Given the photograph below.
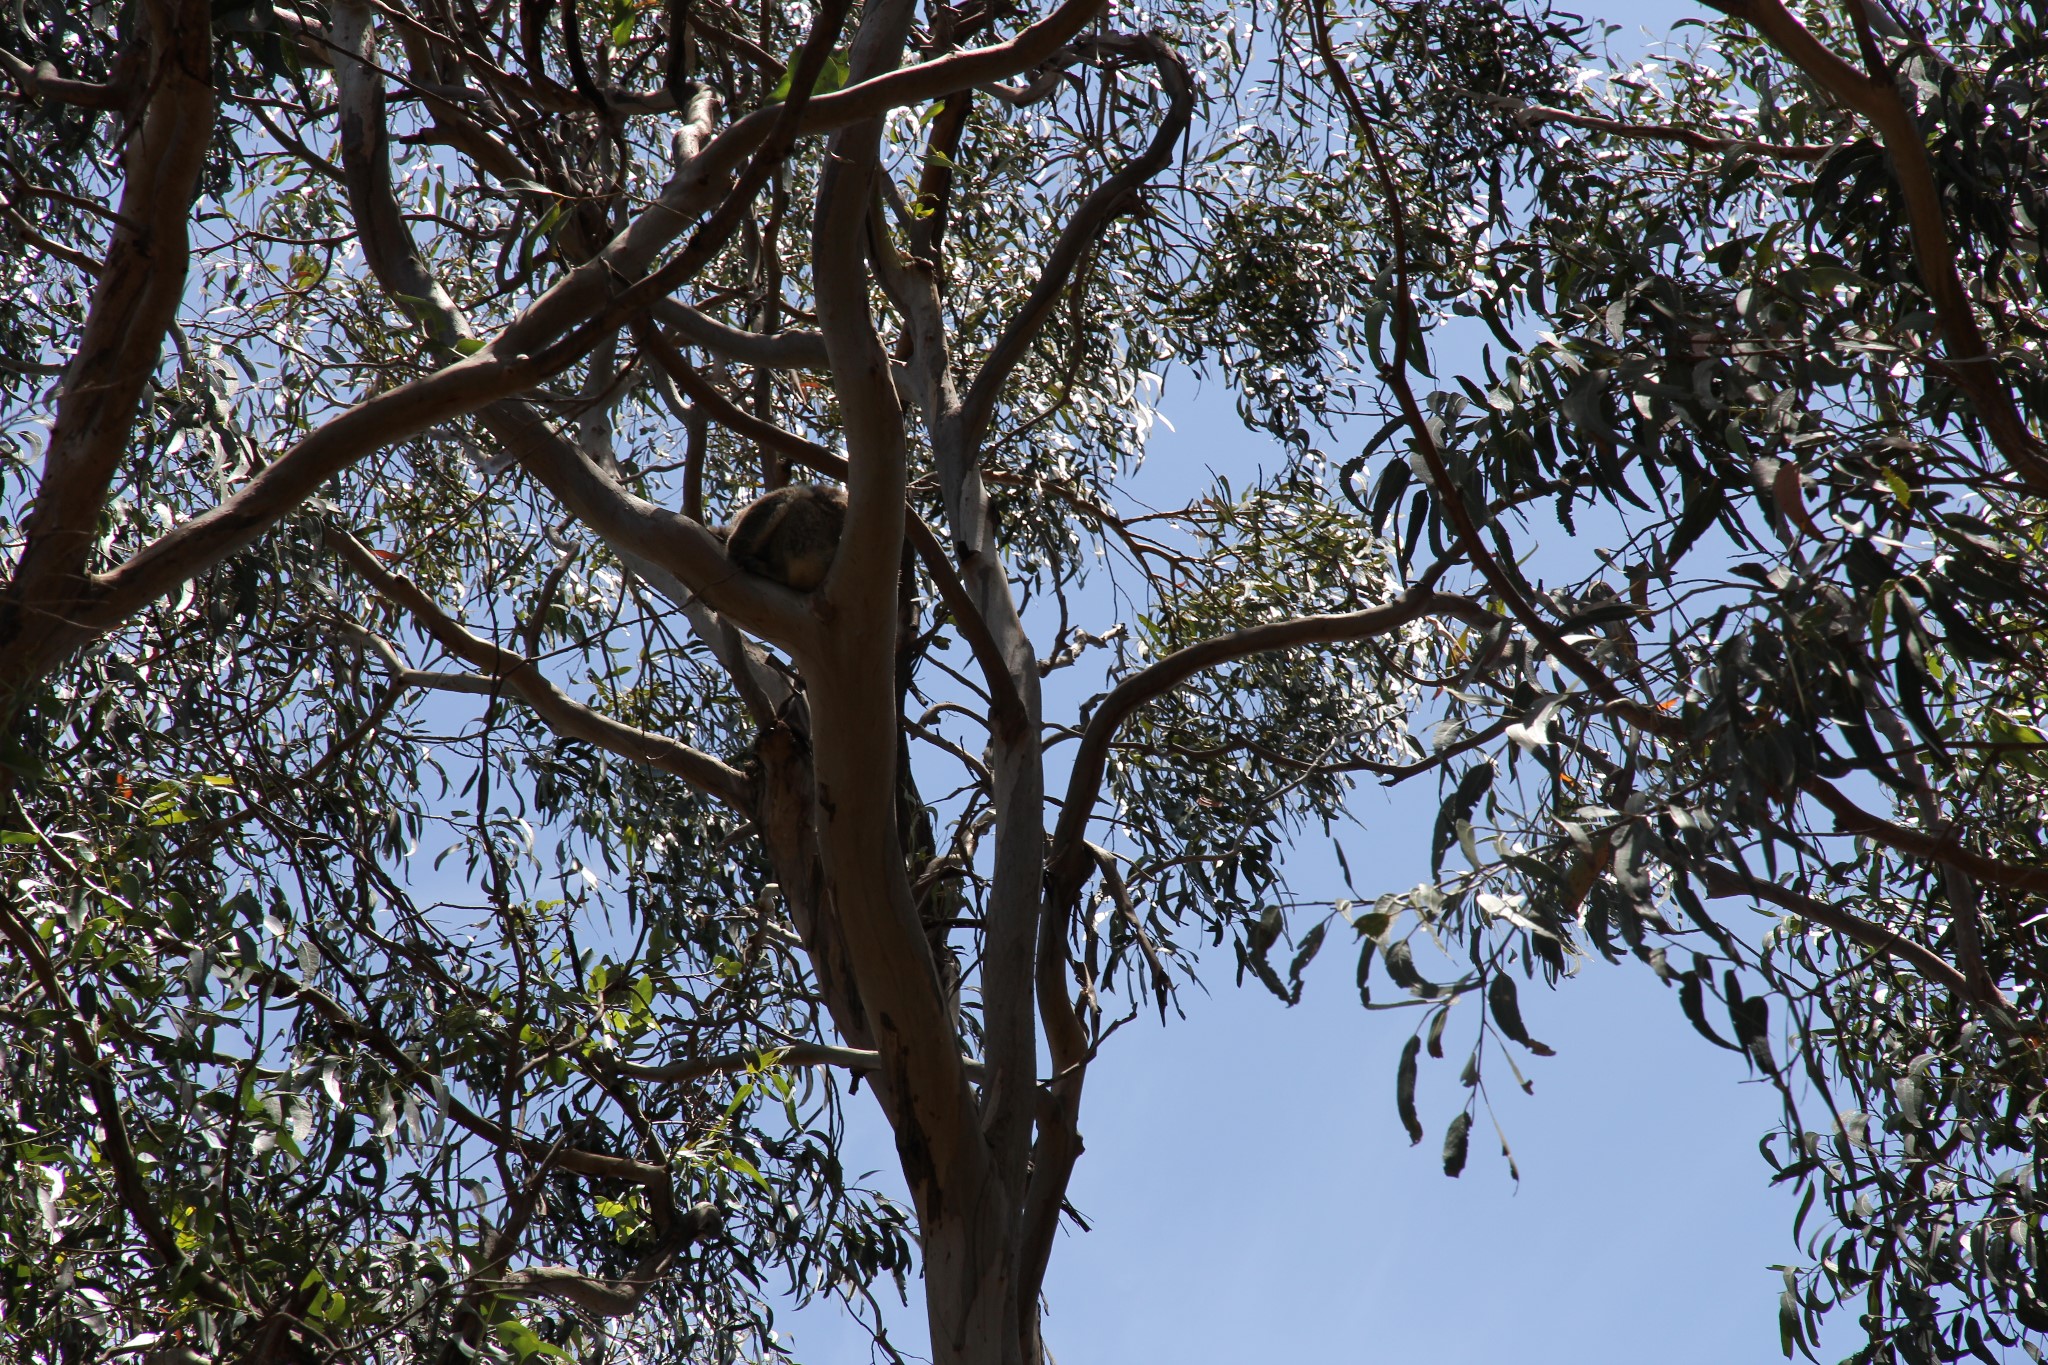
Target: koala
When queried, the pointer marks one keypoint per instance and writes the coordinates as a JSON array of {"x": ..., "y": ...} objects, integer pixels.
[{"x": 790, "y": 535}]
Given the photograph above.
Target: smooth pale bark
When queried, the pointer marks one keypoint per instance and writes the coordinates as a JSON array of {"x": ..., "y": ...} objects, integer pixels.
[{"x": 966, "y": 1216}]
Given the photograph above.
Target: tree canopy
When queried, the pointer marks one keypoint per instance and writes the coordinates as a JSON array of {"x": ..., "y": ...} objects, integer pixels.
[{"x": 455, "y": 885}]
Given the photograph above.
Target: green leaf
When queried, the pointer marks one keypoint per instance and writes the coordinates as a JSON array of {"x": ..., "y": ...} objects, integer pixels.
[
  {"x": 1404, "y": 1088},
  {"x": 1691, "y": 999},
  {"x": 525, "y": 1342},
  {"x": 1457, "y": 1141},
  {"x": 524, "y": 186},
  {"x": 1305, "y": 954},
  {"x": 832, "y": 76},
  {"x": 1505, "y": 1006},
  {"x": 1456, "y": 808},
  {"x": 1400, "y": 960}
]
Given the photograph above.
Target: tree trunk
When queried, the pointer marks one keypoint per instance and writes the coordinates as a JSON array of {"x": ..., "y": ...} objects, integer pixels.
[{"x": 970, "y": 1274}]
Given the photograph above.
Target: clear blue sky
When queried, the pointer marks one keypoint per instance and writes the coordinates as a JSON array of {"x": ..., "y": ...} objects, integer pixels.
[{"x": 1254, "y": 1198}]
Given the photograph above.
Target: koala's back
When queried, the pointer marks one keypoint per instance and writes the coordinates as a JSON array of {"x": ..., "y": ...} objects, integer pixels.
[{"x": 790, "y": 535}]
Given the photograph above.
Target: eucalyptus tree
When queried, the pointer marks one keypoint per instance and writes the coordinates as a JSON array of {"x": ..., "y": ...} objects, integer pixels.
[
  {"x": 1768, "y": 315},
  {"x": 443, "y": 881},
  {"x": 452, "y": 892}
]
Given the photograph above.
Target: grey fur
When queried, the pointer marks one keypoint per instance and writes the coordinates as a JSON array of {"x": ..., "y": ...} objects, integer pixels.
[{"x": 791, "y": 535}]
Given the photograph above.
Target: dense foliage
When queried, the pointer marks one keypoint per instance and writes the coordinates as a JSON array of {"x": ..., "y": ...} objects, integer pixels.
[{"x": 449, "y": 902}]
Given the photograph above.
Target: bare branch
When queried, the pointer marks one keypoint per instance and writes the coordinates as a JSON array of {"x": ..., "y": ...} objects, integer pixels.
[
  {"x": 786, "y": 350},
  {"x": 522, "y": 677},
  {"x": 366, "y": 170},
  {"x": 611, "y": 1298},
  {"x": 1069, "y": 856},
  {"x": 1532, "y": 115},
  {"x": 40, "y": 81},
  {"x": 1162, "y": 981},
  {"x": 1006, "y": 708},
  {"x": 729, "y": 414}
]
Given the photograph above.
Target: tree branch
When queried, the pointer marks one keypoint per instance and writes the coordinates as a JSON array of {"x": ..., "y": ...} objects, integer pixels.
[
  {"x": 1970, "y": 364},
  {"x": 611, "y": 1298},
  {"x": 116, "y": 1146},
  {"x": 133, "y": 304},
  {"x": 1531, "y": 115},
  {"x": 1069, "y": 857},
  {"x": 786, "y": 350},
  {"x": 41, "y": 81},
  {"x": 1851, "y": 818},
  {"x": 729, "y": 414},
  {"x": 1722, "y": 882},
  {"x": 566, "y": 717},
  {"x": 788, "y": 1054},
  {"x": 643, "y": 531},
  {"x": 1407, "y": 332},
  {"x": 41, "y": 634},
  {"x": 394, "y": 258},
  {"x": 1103, "y": 203}
]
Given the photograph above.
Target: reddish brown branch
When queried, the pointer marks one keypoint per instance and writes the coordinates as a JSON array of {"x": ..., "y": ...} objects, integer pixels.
[
  {"x": 1875, "y": 95},
  {"x": 1407, "y": 332},
  {"x": 1530, "y": 115},
  {"x": 41, "y": 81},
  {"x": 1725, "y": 882},
  {"x": 134, "y": 301},
  {"x": 1851, "y": 818},
  {"x": 1104, "y": 202}
]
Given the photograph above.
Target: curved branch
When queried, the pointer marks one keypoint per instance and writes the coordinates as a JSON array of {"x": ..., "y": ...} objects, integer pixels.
[
  {"x": 116, "y": 1148},
  {"x": 1407, "y": 331},
  {"x": 1851, "y": 818},
  {"x": 611, "y": 1298},
  {"x": 788, "y": 350},
  {"x": 282, "y": 486},
  {"x": 727, "y": 413},
  {"x": 1722, "y": 882},
  {"x": 1070, "y": 859},
  {"x": 1971, "y": 364},
  {"x": 530, "y": 349},
  {"x": 790, "y": 1054},
  {"x": 1531, "y": 115},
  {"x": 1103, "y": 203},
  {"x": 565, "y": 716},
  {"x": 388, "y": 246},
  {"x": 1006, "y": 708},
  {"x": 41, "y": 81},
  {"x": 134, "y": 302},
  {"x": 648, "y": 1175}
]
